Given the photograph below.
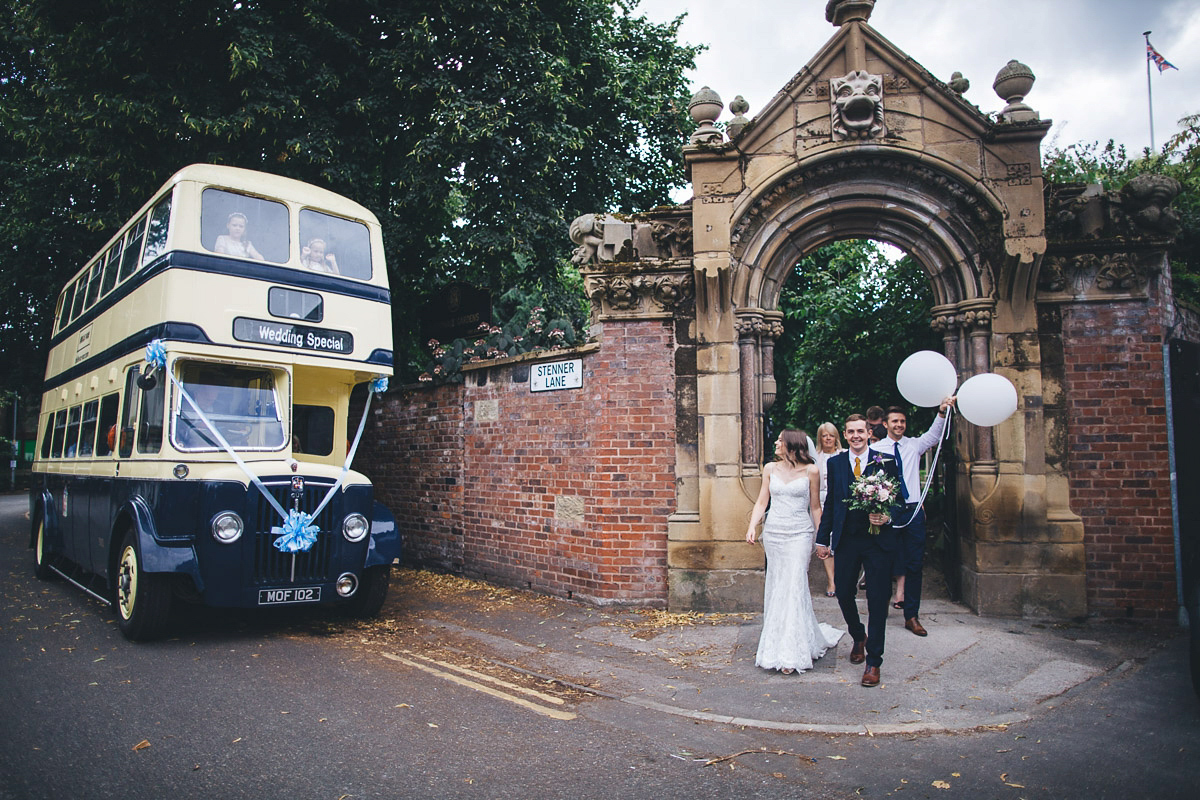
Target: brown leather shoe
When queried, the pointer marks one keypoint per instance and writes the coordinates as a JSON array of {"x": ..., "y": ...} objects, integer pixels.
[
  {"x": 913, "y": 624},
  {"x": 858, "y": 653},
  {"x": 871, "y": 676}
]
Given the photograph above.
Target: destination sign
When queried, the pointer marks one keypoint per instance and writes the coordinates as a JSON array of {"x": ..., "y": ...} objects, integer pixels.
[
  {"x": 299, "y": 337},
  {"x": 556, "y": 375}
]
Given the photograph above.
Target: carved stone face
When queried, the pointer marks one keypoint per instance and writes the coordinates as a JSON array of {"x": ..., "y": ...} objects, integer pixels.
[{"x": 857, "y": 101}]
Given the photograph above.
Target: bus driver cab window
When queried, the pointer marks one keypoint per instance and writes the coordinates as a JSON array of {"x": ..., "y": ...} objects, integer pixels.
[{"x": 238, "y": 402}]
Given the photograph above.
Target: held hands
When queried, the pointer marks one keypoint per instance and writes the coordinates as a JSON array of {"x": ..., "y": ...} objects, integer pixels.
[{"x": 822, "y": 552}]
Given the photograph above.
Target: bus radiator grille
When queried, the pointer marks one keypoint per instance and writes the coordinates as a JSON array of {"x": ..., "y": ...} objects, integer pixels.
[{"x": 274, "y": 567}]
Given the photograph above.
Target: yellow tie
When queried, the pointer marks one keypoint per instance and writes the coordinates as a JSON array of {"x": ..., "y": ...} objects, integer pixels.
[{"x": 857, "y": 467}]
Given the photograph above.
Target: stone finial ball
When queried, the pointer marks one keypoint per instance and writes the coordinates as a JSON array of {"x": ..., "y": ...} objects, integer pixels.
[
  {"x": 705, "y": 106},
  {"x": 1013, "y": 81}
]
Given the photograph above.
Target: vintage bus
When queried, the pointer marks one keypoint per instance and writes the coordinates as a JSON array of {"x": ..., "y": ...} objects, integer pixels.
[{"x": 198, "y": 393}]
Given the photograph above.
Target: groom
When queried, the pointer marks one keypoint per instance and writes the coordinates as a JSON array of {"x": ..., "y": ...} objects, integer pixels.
[{"x": 845, "y": 532}]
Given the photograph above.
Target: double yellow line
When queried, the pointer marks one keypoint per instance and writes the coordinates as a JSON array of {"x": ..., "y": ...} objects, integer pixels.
[{"x": 430, "y": 665}]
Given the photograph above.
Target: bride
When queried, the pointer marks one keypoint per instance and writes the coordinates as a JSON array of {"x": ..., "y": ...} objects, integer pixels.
[{"x": 791, "y": 636}]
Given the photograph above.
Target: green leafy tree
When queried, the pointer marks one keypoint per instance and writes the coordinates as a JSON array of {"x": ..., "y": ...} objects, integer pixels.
[
  {"x": 1111, "y": 167},
  {"x": 851, "y": 316},
  {"x": 474, "y": 129}
]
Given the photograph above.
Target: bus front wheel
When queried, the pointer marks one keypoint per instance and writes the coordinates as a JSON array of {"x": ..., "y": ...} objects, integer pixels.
[
  {"x": 41, "y": 554},
  {"x": 372, "y": 591},
  {"x": 143, "y": 598}
]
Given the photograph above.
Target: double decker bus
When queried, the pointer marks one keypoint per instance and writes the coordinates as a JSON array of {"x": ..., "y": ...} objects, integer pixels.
[{"x": 197, "y": 431}]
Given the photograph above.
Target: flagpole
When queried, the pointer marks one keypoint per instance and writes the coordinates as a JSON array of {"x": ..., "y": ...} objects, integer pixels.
[{"x": 1149, "y": 91}]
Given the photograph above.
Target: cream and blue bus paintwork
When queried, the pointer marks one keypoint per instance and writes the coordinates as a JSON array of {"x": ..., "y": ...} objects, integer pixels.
[{"x": 270, "y": 299}]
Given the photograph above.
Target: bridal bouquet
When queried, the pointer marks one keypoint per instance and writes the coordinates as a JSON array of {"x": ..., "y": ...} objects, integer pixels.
[{"x": 874, "y": 493}]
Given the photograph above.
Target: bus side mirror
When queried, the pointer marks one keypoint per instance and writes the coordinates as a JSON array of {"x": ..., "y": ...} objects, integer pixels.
[{"x": 147, "y": 381}]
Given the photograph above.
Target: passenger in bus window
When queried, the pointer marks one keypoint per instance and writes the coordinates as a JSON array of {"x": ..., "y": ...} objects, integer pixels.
[
  {"x": 235, "y": 243},
  {"x": 314, "y": 257}
]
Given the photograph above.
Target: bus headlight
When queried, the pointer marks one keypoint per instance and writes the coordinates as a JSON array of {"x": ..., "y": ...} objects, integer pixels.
[
  {"x": 346, "y": 584},
  {"x": 227, "y": 527},
  {"x": 354, "y": 527}
]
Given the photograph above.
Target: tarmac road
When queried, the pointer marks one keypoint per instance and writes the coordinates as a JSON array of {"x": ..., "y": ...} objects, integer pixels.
[{"x": 461, "y": 689}]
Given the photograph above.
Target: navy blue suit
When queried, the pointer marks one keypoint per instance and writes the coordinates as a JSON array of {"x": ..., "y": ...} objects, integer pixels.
[{"x": 845, "y": 531}]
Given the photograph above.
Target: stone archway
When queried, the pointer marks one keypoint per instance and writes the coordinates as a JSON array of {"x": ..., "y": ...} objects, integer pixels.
[
  {"x": 864, "y": 143},
  {"x": 930, "y": 213}
]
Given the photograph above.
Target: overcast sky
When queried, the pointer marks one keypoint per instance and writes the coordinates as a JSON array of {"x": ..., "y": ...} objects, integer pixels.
[{"x": 1088, "y": 55}]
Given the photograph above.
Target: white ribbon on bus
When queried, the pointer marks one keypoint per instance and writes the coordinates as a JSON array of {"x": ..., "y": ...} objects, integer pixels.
[{"x": 297, "y": 534}]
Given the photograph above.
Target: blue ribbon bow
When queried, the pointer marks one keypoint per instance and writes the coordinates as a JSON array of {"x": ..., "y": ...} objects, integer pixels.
[
  {"x": 296, "y": 535},
  {"x": 156, "y": 354}
]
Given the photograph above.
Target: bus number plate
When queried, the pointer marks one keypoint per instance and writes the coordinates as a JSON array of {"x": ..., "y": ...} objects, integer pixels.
[{"x": 274, "y": 597}]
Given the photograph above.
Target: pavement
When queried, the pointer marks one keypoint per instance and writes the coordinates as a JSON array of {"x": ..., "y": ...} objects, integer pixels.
[{"x": 969, "y": 673}]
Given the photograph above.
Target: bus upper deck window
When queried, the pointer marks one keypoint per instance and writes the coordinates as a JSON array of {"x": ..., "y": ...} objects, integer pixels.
[
  {"x": 110, "y": 269},
  {"x": 334, "y": 245},
  {"x": 96, "y": 277},
  {"x": 239, "y": 225},
  {"x": 133, "y": 248},
  {"x": 80, "y": 293},
  {"x": 156, "y": 236},
  {"x": 64, "y": 310}
]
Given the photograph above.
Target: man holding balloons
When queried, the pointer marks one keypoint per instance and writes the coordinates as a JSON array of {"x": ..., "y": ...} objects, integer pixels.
[
  {"x": 910, "y": 522},
  {"x": 928, "y": 379}
]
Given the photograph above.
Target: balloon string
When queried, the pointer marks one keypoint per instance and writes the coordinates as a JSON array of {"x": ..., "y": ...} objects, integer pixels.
[{"x": 932, "y": 468}]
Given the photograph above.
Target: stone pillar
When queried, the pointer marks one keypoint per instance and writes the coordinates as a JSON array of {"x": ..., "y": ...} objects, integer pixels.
[{"x": 749, "y": 326}]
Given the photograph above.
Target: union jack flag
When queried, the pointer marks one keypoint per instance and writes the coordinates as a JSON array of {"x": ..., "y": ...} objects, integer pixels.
[{"x": 1159, "y": 60}]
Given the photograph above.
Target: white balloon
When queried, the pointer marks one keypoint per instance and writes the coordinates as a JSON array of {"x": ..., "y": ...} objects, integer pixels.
[
  {"x": 987, "y": 399},
  {"x": 926, "y": 378}
]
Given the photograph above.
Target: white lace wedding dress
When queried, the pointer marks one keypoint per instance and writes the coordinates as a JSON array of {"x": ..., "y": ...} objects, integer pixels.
[{"x": 792, "y": 638}]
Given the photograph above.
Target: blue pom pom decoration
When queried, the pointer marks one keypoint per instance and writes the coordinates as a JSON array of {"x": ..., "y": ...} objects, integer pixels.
[
  {"x": 379, "y": 385},
  {"x": 156, "y": 354},
  {"x": 297, "y": 534}
]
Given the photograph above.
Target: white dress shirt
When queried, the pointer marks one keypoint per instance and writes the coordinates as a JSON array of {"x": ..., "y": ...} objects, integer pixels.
[{"x": 911, "y": 450}]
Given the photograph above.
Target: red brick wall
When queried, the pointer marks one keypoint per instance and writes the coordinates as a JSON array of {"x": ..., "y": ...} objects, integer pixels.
[
  {"x": 1117, "y": 444},
  {"x": 566, "y": 492},
  {"x": 412, "y": 450}
]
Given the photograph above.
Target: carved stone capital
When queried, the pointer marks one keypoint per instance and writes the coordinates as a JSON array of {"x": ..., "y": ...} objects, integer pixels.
[
  {"x": 945, "y": 322},
  {"x": 1092, "y": 275},
  {"x": 749, "y": 325},
  {"x": 629, "y": 294},
  {"x": 977, "y": 318}
]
